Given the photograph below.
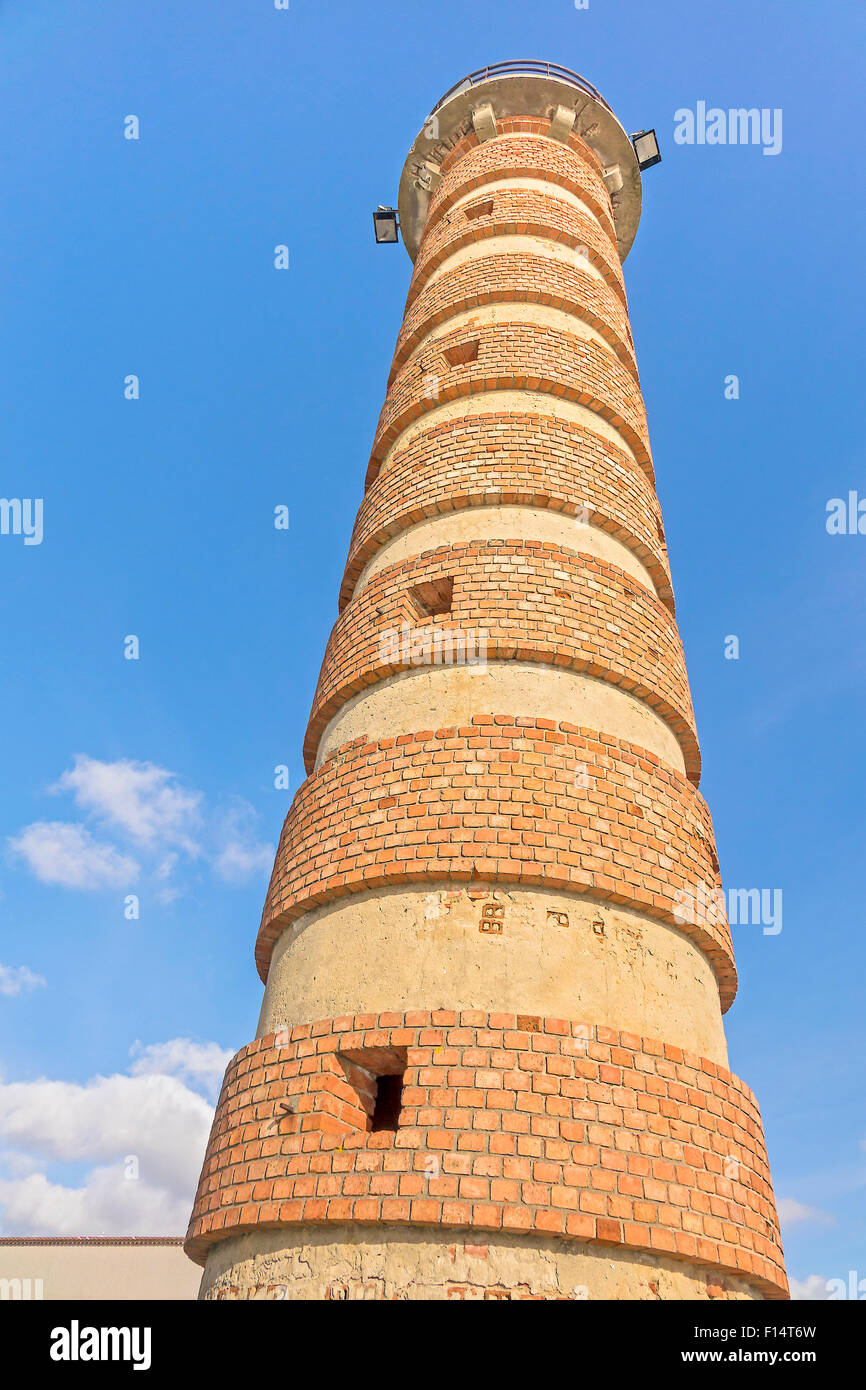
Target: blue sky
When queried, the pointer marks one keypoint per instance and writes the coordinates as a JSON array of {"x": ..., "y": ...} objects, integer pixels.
[{"x": 261, "y": 387}]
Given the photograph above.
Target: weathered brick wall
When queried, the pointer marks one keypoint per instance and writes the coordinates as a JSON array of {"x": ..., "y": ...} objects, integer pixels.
[
  {"x": 512, "y": 278},
  {"x": 561, "y": 166},
  {"x": 530, "y": 601},
  {"x": 512, "y": 358},
  {"x": 517, "y": 211},
  {"x": 509, "y": 1123},
  {"x": 506, "y": 459},
  {"x": 506, "y": 800}
]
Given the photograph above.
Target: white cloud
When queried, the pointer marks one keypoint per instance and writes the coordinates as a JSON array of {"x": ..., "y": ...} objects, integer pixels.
[
  {"x": 20, "y": 1165},
  {"x": 793, "y": 1213},
  {"x": 66, "y": 854},
  {"x": 166, "y": 865},
  {"x": 148, "y": 814},
  {"x": 241, "y": 856},
  {"x": 813, "y": 1288},
  {"x": 203, "y": 1063},
  {"x": 237, "y": 861},
  {"x": 16, "y": 979},
  {"x": 107, "y": 1204},
  {"x": 139, "y": 798},
  {"x": 140, "y": 1137},
  {"x": 111, "y": 1116}
]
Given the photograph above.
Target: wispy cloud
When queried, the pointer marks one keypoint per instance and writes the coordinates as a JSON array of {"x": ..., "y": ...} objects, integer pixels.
[
  {"x": 146, "y": 821},
  {"x": 17, "y": 979},
  {"x": 66, "y": 854},
  {"x": 240, "y": 855},
  {"x": 202, "y": 1064},
  {"x": 793, "y": 1213},
  {"x": 813, "y": 1288},
  {"x": 141, "y": 799}
]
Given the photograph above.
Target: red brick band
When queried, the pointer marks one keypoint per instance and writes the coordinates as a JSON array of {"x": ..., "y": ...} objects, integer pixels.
[
  {"x": 522, "y": 156},
  {"x": 517, "y": 212},
  {"x": 510, "y": 1124},
  {"x": 525, "y": 125},
  {"x": 515, "y": 125},
  {"x": 527, "y": 601},
  {"x": 505, "y": 460},
  {"x": 516, "y": 278},
  {"x": 501, "y": 800},
  {"x": 515, "y": 357}
]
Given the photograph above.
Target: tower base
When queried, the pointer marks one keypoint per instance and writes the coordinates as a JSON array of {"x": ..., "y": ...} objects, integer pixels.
[
  {"x": 531, "y": 1157},
  {"x": 395, "y": 1263}
]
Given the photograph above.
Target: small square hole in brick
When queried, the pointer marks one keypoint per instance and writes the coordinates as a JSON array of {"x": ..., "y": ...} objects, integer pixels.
[
  {"x": 461, "y": 353},
  {"x": 434, "y": 597},
  {"x": 479, "y": 209},
  {"x": 376, "y": 1074}
]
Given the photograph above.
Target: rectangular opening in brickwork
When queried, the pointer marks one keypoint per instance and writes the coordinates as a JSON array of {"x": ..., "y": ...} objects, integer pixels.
[
  {"x": 461, "y": 353},
  {"x": 434, "y": 597},
  {"x": 376, "y": 1074},
  {"x": 480, "y": 209},
  {"x": 389, "y": 1098}
]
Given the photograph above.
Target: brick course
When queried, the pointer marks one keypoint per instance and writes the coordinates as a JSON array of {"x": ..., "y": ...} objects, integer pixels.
[
  {"x": 504, "y": 459},
  {"x": 499, "y": 800},
  {"x": 514, "y": 278},
  {"x": 514, "y": 357},
  {"x": 517, "y": 211},
  {"x": 569, "y": 1129},
  {"x": 531, "y": 601},
  {"x": 523, "y": 156}
]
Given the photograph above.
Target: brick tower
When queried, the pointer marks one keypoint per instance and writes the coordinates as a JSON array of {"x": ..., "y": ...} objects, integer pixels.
[{"x": 490, "y": 1060}]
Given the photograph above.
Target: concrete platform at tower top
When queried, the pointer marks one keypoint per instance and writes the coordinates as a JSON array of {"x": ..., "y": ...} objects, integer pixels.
[{"x": 517, "y": 92}]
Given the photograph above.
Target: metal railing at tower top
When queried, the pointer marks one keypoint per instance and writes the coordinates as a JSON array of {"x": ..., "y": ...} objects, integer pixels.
[{"x": 527, "y": 67}]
